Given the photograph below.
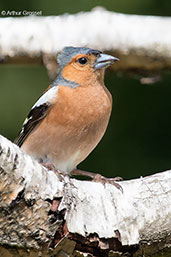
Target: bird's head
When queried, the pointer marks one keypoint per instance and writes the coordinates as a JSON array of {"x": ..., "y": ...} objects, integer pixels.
[{"x": 83, "y": 65}]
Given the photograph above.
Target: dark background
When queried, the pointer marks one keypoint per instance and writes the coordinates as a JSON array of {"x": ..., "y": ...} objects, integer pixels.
[{"x": 137, "y": 141}]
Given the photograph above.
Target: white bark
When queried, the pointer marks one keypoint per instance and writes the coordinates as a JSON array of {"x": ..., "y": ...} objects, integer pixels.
[
  {"x": 141, "y": 42},
  {"x": 141, "y": 213}
]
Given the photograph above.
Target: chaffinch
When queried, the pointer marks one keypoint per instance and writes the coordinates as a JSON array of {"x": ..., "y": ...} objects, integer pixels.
[{"x": 71, "y": 116}]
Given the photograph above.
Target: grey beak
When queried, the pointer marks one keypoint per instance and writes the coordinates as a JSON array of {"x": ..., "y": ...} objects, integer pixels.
[{"x": 104, "y": 60}]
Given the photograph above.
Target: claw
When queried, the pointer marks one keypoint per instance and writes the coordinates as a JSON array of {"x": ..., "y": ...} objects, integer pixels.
[
  {"x": 98, "y": 178},
  {"x": 104, "y": 180}
]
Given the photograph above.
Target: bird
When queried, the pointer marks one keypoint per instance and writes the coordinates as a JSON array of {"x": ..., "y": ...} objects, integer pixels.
[{"x": 71, "y": 116}]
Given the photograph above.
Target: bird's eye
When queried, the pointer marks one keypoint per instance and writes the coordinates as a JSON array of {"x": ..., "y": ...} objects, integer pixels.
[{"x": 82, "y": 60}]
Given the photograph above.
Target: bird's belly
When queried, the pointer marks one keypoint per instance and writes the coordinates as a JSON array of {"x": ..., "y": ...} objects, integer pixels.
[{"x": 65, "y": 147}]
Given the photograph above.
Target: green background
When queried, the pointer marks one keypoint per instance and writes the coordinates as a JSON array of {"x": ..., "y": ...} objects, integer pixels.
[{"x": 137, "y": 141}]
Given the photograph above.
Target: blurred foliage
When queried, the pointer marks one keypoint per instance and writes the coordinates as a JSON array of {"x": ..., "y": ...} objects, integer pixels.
[{"x": 138, "y": 138}]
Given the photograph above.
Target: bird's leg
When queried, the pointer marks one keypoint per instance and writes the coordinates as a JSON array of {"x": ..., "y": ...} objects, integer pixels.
[
  {"x": 98, "y": 178},
  {"x": 58, "y": 172}
]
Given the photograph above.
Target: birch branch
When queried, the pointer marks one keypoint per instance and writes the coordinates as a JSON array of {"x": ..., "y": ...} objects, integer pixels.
[
  {"x": 141, "y": 42},
  {"x": 41, "y": 212}
]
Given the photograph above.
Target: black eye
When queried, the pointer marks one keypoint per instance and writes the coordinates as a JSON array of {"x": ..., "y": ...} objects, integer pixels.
[{"x": 82, "y": 60}]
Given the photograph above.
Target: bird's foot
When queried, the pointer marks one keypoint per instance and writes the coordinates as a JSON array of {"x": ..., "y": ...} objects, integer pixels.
[
  {"x": 98, "y": 178},
  {"x": 60, "y": 174},
  {"x": 104, "y": 180}
]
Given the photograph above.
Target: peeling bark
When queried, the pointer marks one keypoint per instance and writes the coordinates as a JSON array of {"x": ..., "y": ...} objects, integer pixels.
[
  {"x": 42, "y": 215},
  {"x": 141, "y": 42}
]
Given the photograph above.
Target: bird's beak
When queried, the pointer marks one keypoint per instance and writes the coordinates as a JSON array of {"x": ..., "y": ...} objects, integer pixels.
[{"x": 104, "y": 60}]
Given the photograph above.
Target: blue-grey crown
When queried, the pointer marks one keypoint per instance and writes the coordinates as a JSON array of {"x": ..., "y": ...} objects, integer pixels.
[{"x": 69, "y": 52}]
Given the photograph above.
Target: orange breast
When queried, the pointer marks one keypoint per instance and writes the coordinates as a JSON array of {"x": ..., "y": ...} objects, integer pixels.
[{"x": 72, "y": 127}]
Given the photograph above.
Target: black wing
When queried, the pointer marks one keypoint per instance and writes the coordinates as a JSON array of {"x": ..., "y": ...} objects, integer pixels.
[{"x": 35, "y": 115}]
